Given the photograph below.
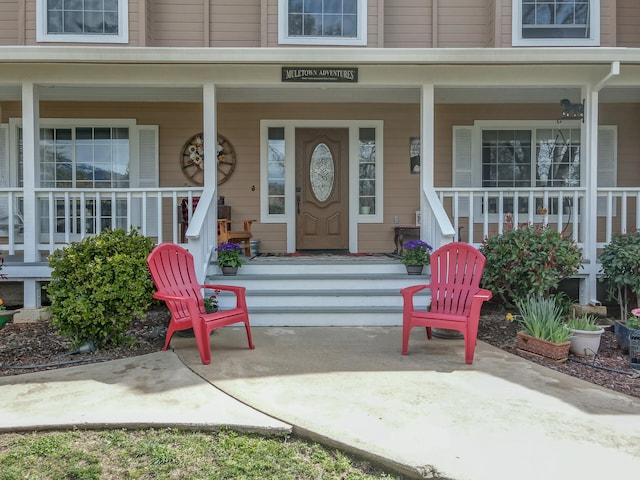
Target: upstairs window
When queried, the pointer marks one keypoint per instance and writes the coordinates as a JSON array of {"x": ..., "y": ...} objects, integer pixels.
[
  {"x": 86, "y": 21},
  {"x": 322, "y": 22},
  {"x": 556, "y": 22}
]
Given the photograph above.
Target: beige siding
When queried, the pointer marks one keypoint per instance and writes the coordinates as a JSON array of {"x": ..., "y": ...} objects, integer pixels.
[
  {"x": 407, "y": 23},
  {"x": 177, "y": 23},
  {"x": 235, "y": 23},
  {"x": 628, "y": 31},
  {"x": 9, "y": 26},
  {"x": 463, "y": 24},
  {"x": 608, "y": 23}
]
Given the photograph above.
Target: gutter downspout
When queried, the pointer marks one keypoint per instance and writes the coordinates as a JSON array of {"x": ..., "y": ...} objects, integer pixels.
[{"x": 588, "y": 291}]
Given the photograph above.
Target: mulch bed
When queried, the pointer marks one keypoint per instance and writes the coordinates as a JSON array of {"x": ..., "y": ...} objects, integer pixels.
[{"x": 35, "y": 347}]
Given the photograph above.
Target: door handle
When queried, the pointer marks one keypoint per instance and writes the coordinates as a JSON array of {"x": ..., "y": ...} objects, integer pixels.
[{"x": 298, "y": 204}]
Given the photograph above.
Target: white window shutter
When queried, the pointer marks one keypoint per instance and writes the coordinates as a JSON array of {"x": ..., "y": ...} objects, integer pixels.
[
  {"x": 4, "y": 178},
  {"x": 607, "y": 162},
  {"x": 463, "y": 163},
  {"x": 144, "y": 174}
]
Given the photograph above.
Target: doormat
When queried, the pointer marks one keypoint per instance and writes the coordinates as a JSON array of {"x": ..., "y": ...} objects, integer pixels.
[{"x": 325, "y": 253}]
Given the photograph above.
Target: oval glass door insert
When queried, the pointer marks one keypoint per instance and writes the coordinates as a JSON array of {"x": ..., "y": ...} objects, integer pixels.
[{"x": 321, "y": 172}]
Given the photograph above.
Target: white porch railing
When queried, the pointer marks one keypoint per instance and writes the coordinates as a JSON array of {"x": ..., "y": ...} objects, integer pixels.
[
  {"x": 65, "y": 216},
  {"x": 477, "y": 213}
]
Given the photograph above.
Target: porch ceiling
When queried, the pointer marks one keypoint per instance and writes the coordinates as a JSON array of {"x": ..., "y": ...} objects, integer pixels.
[{"x": 311, "y": 94}]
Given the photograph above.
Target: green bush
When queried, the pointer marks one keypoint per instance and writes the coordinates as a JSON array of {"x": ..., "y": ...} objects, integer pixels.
[
  {"x": 98, "y": 285},
  {"x": 620, "y": 261},
  {"x": 528, "y": 261}
]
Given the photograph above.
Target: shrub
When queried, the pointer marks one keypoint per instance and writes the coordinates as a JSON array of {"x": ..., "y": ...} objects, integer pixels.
[
  {"x": 98, "y": 285},
  {"x": 528, "y": 261},
  {"x": 620, "y": 260}
]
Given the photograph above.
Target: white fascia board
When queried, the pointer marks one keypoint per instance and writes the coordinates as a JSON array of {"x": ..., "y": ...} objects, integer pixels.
[{"x": 321, "y": 55}]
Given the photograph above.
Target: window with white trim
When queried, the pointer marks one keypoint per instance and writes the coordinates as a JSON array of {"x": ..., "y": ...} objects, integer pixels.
[
  {"x": 92, "y": 21},
  {"x": 322, "y": 22},
  {"x": 117, "y": 154},
  {"x": 507, "y": 156},
  {"x": 556, "y": 22}
]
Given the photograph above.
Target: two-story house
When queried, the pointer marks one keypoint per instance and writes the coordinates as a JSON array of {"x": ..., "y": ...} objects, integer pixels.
[{"x": 326, "y": 121}]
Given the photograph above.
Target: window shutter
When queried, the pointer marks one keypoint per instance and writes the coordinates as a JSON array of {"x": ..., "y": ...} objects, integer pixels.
[
  {"x": 4, "y": 178},
  {"x": 607, "y": 162},
  {"x": 144, "y": 170},
  {"x": 462, "y": 163}
]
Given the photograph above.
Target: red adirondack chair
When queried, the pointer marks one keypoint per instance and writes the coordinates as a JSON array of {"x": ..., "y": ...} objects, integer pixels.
[
  {"x": 456, "y": 298},
  {"x": 173, "y": 273}
]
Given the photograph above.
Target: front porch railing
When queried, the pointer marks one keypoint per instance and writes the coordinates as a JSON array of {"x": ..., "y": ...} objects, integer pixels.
[{"x": 65, "y": 216}]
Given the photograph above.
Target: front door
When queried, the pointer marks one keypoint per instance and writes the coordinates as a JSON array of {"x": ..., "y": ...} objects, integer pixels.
[{"x": 322, "y": 188}]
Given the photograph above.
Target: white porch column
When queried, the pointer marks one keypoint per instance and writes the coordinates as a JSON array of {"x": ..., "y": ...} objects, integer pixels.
[
  {"x": 589, "y": 216},
  {"x": 31, "y": 176},
  {"x": 202, "y": 232},
  {"x": 427, "y": 162},
  {"x": 588, "y": 287},
  {"x": 210, "y": 131}
]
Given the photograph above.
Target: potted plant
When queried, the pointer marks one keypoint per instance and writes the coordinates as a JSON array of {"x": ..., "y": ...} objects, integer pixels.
[
  {"x": 415, "y": 255},
  {"x": 543, "y": 331},
  {"x": 229, "y": 257},
  {"x": 624, "y": 330},
  {"x": 585, "y": 335}
]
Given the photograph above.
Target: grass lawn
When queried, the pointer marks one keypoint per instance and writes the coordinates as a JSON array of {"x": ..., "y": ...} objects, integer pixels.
[{"x": 172, "y": 454}]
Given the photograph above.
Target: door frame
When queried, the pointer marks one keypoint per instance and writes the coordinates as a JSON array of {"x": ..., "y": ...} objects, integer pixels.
[{"x": 289, "y": 217}]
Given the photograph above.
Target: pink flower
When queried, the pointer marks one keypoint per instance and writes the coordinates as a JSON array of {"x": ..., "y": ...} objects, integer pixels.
[{"x": 636, "y": 312}]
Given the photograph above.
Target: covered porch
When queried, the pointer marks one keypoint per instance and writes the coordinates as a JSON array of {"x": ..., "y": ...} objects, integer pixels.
[{"x": 448, "y": 99}]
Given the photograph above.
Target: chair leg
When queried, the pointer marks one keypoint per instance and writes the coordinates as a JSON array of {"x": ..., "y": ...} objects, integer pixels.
[
  {"x": 406, "y": 333},
  {"x": 202, "y": 339},
  {"x": 248, "y": 329}
]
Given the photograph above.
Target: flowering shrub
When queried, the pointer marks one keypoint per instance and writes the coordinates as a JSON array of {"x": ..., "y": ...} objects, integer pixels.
[
  {"x": 416, "y": 252},
  {"x": 229, "y": 254},
  {"x": 2, "y": 306},
  {"x": 528, "y": 261}
]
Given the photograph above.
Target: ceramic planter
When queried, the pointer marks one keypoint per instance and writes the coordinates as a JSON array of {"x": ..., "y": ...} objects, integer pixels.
[
  {"x": 414, "y": 269},
  {"x": 585, "y": 343},
  {"x": 5, "y": 317},
  {"x": 229, "y": 270},
  {"x": 558, "y": 352}
]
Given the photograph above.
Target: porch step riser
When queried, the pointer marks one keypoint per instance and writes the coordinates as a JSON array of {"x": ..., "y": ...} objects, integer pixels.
[
  {"x": 320, "y": 296},
  {"x": 345, "y": 319}
]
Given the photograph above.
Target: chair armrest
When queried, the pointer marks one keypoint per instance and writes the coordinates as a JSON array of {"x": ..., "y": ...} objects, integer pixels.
[
  {"x": 484, "y": 295},
  {"x": 412, "y": 290},
  {"x": 226, "y": 288}
]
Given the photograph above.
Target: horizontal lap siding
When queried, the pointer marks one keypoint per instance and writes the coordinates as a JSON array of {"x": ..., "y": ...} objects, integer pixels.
[
  {"x": 407, "y": 24},
  {"x": 9, "y": 28},
  {"x": 628, "y": 31},
  {"x": 463, "y": 23},
  {"x": 177, "y": 24},
  {"x": 235, "y": 23}
]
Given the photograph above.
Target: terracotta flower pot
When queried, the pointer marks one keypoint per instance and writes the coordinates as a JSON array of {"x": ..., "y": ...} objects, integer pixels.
[{"x": 558, "y": 352}]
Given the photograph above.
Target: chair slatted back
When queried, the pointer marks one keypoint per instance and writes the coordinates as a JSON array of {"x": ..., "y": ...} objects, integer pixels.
[
  {"x": 173, "y": 272},
  {"x": 456, "y": 271}
]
